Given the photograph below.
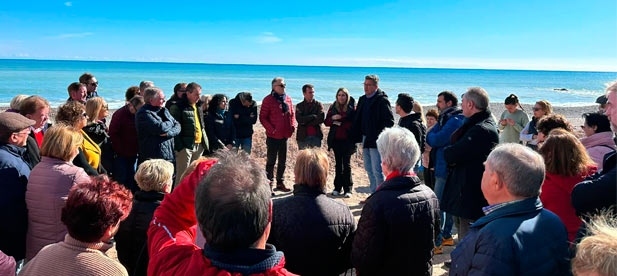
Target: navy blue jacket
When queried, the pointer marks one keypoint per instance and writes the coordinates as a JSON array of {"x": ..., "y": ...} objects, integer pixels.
[
  {"x": 471, "y": 145},
  {"x": 247, "y": 117},
  {"x": 439, "y": 137},
  {"x": 518, "y": 239},
  {"x": 151, "y": 122},
  {"x": 220, "y": 130},
  {"x": 14, "y": 172}
]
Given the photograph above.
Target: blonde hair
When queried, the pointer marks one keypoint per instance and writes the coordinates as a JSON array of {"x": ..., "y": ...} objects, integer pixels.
[
  {"x": 16, "y": 102},
  {"x": 338, "y": 106},
  {"x": 154, "y": 175},
  {"x": 312, "y": 167},
  {"x": 93, "y": 108},
  {"x": 417, "y": 108},
  {"x": 597, "y": 252},
  {"x": 61, "y": 141}
]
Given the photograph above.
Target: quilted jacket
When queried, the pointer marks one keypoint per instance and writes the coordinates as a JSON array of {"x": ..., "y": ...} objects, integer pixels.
[{"x": 151, "y": 123}]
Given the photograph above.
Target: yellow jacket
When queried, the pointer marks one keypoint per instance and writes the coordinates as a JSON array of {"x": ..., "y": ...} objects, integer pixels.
[{"x": 91, "y": 150}]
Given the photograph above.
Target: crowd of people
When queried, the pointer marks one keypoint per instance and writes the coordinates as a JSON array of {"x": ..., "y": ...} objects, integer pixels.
[{"x": 171, "y": 185}]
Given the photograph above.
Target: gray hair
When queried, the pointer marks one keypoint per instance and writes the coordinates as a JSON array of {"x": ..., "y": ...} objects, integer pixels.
[
  {"x": 145, "y": 84},
  {"x": 150, "y": 93},
  {"x": 277, "y": 79},
  {"x": 398, "y": 149},
  {"x": 519, "y": 167},
  {"x": 373, "y": 78},
  {"x": 478, "y": 96}
]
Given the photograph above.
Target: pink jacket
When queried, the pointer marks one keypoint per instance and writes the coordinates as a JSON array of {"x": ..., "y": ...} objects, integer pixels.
[
  {"x": 598, "y": 145},
  {"x": 278, "y": 125},
  {"x": 47, "y": 190}
]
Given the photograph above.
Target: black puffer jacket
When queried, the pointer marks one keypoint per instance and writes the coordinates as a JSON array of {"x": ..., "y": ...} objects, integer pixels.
[
  {"x": 470, "y": 146},
  {"x": 413, "y": 122},
  {"x": 397, "y": 229},
  {"x": 151, "y": 123},
  {"x": 378, "y": 118},
  {"x": 247, "y": 117},
  {"x": 184, "y": 113},
  {"x": 131, "y": 237},
  {"x": 314, "y": 231}
]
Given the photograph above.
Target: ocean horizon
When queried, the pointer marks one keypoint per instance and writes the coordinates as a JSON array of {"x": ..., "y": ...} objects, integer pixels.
[{"x": 50, "y": 78}]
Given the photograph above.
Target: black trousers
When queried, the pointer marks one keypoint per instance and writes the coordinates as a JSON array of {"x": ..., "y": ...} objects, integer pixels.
[
  {"x": 342, "y": 156},
  {"x": 276, "y": 148}
]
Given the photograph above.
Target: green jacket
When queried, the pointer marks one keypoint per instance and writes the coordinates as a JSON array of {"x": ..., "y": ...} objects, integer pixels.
[{"x": 185, "y": 115}]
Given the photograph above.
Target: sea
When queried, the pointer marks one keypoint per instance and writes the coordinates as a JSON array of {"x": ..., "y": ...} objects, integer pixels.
[{"x": 50, "y": 78}]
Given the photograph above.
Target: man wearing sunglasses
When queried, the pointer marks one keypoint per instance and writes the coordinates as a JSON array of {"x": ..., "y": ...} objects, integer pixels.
[
  {"x": 14, "y": 172},
  {"x": 91, "y": 85}
]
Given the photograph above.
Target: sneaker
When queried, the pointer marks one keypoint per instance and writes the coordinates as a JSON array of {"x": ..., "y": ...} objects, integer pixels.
[
  {"x": 447, "y": 242},
  {"x": 336, "y": 193},
  {"x": 437, "y": 250},
  {"x": 282, "y": 188},
  {"x": 347, "y": 194}
]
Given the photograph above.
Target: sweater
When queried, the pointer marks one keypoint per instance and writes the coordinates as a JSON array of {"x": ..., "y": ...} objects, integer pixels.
[
  {"x": 511, "y": 133},
  {"x": 598, "y": 145},
  {"x": 73, "y": 257},
  {"x": 123, "y": 133}
]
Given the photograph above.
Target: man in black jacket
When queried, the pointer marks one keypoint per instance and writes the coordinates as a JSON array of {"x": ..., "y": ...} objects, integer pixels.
[
  {"x": 471, "y": 145},
  {"x": 244, "y": 112},
  {"x": 373, "y": 115},
  {"x": 412, "y": 121}
]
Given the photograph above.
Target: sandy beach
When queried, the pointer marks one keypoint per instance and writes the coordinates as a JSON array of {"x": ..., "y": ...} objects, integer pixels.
[{"x": 361, "y": 189}]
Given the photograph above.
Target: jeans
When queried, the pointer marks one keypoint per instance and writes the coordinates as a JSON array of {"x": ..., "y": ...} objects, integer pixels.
[
  {"x": 276, "y": 148},
  {"x": 309, "y": 141},
  {"x": 124, "y": 172},
  {"x": 372, "y": 165},
  {"x": 446, "y": 219},
  {"x": 184, "y": 158},
  {"x": 245, "y": 144}
]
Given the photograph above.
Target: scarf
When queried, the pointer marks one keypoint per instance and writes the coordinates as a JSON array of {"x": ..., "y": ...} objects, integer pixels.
[{"x": 281, "y": 100}]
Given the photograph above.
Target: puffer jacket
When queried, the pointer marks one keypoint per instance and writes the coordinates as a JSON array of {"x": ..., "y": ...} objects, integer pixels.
[
  {"x": 413, "y": 122},
  {"x": 97, "y": 132},
  {"x": 151, "y": 123},
  {"x": 518, "y": 239},
  {"x": 381, "y": 117},
  {"x": 598, "y": 145},
  {"x": 313, "y": 229},
  {"x": 14, "y": 173},
  {"x": 471, "y": 145},
  {"x": 247, "y": 117},
  {"x": 48, "y": 188},
  {"x": 184, "y": 113},
  {"x": 278, "y": 125},
  {"x": 439, "y": 137},
  {"x": 397, "y": 228},
  {"x": 131, "y": 237},
  {"x": 309, "y": 115},
  {"x": 221, "y": 131}
]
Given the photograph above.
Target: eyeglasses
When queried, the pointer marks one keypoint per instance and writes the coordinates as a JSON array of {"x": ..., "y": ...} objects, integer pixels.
[
  {"x": 96, "y": 83},
  {"x": 106, "y": 107},
  {"x": 537, "y": 109},
  {"x": 22, "y": 133},
  {"x": 282, "y": 85}
]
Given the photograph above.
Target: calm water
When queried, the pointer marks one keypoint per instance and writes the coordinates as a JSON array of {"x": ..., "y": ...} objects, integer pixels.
[{"x": 49, "y": 78}]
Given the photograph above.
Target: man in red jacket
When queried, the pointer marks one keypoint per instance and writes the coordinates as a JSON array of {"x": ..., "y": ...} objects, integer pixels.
[
  {"x": 233, "y": 208},
  {"x": 279, "y": 119}
]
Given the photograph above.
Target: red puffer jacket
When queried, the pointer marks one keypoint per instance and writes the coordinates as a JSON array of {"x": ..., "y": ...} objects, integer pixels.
[
  {"x": 172, "y": 232},
  {"x": 278, "y": 125}
]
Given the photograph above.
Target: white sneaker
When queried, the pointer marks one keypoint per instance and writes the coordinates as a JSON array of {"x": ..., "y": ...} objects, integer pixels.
[
  {"x": 348, "y": 194},
  {"x": 335, "y": 193}
]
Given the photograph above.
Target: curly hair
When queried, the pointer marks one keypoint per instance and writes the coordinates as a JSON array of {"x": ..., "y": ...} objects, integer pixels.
[
  {"x": 70, "y": 112},
  {"x": 214, "y": 103}
]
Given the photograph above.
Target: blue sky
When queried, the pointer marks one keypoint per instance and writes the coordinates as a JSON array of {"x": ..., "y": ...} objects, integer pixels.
[{"x": 551, "y": 35}]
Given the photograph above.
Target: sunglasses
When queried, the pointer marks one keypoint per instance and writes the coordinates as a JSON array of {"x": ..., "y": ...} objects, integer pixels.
[
  {"x": 84, "y": 115},
  {"x": 537, "y": 109},
  {"x": 282, "y": 85},
  {"x": 94, "y": 83}
]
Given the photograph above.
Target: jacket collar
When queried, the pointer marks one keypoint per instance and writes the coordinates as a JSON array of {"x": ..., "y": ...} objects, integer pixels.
[
  {"x": 478, "y": 117},
  {"x": 150, "y": 196},
  {"x": 245, "y": 261},
  {"x": 398, "y": 182},
  {"x": 529, "y": 205},
  {"x": 301, "y": 189},
  {"x": 13, "y": 149}
]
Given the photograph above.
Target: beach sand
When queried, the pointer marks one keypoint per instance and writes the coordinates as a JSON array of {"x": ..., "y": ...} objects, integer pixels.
[{"x": 361, "y": 189}]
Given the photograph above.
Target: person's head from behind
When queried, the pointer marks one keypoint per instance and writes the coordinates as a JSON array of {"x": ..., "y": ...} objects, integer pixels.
[
  {"x": 132, "y": 92},
  {"x": 474, "y": 100},
  {"x": 15, "y": 104},
  {"x": 136, "y": 103},
  {"x": 94, "y": 209},
  {"x": 404, "y": 104},
  {"x": 611, "y": 104},
  {"x": 62, "y": 142},
  {"x": 550, "y": 122},
  {"x": 564, "y": 154},
  {"x": 233, "y": 204},
  {"x": 595, "y": 123},
  {"x": 596, "y": 254},
  {"x": 446, "y": 99},
  {"x": 96, "y": 109},
  {"x": 73, "y": 114},
  {"x": 432, "y": 115},
  {"x": 155, "y": 175},
  {"x": 143, "y": 85},
  {"x": 398, "y": 149},
  {"x": 311, "y": 168},
  {"x": 35, "y": 108},
  {"x": 512, "y": 172}
]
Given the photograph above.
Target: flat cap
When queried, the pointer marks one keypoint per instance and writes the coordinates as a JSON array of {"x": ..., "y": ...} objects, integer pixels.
[{"x": 13, "y": 122}]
